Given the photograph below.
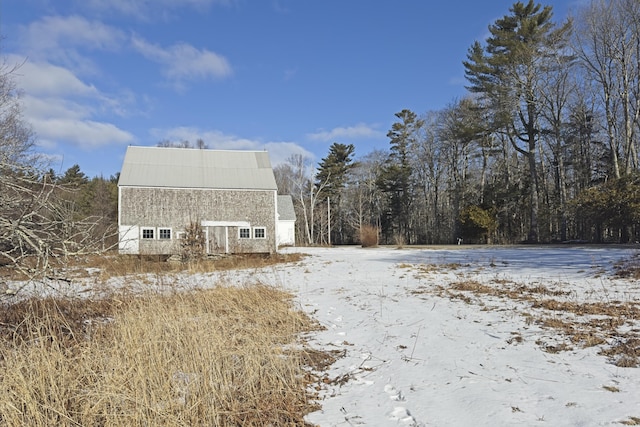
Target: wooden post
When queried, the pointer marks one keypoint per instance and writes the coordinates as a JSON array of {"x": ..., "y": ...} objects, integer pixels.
[{"x": 328, "y": 221}]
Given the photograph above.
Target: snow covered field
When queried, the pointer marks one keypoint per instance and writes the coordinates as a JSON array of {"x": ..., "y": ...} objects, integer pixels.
[
  {"x": 460, "y": 336},
  {"x": 420, "y": 349}
]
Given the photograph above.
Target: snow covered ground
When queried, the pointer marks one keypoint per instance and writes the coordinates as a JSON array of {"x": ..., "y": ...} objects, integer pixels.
[
  {"x": 460, "y": 336},
  {"x": 421, "y": 350}
]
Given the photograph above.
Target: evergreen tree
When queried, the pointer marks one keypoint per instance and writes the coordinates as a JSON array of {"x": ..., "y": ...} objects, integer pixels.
[
  {"x": 333, "y": 169},
  {"x": 74, "y": 177},
  {"x": 507, "y": 73},
  {"x": 395, "y": 178},
  {"x": 331, "y": 178}
]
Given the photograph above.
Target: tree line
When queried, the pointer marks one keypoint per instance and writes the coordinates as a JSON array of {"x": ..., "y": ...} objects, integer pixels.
[{"x": 543, "y": 148}]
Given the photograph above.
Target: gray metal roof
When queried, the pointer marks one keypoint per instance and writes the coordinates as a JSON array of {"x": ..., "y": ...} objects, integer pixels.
[
  {"x": 285, "y": 209},
  {"x": 196, "y": 168}
]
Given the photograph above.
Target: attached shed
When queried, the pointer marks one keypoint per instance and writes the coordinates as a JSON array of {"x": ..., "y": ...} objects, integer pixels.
[
  {"x": 286, "y": 222},
  {"x": 232, "y": 195}
]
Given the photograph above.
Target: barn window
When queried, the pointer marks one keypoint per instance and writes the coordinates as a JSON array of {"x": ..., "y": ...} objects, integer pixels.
[
  {"x": 164, "y": 233},
  {"x": 244, "y": 233},
  {"x": 259, "y": 232},
  {"x": 148, "y": 233}
]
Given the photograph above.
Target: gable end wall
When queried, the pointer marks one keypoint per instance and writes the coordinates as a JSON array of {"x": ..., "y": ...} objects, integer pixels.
[{"x": 175, "y": 208}]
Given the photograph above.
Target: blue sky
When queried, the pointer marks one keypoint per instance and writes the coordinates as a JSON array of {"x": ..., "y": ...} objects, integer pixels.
[{"x": 288, "y": 76}]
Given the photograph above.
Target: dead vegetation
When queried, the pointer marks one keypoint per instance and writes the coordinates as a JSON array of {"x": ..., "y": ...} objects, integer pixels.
[
  {"x": 114, "y": 265},
  {"x": 629, "y": 268},
  {"x": 122, "y": 265},
  {"x": 632, "y": 421},
  {"x": 612, "y": 325},
  {"x": 426, "y": 269},
  {"x": 369, "y": 236},
  {"x": 226, "y": 356}
]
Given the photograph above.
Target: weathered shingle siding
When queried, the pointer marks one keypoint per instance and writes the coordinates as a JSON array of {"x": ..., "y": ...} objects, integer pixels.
[{"x": 175, "y": 208}]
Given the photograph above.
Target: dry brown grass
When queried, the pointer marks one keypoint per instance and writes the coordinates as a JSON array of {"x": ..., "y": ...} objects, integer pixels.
[
  {"x": 629, "y": 268},
  {"x": 582, "y": 324},
  {"x": 221, "y": 357},
  {"x": 112, "y": 265},
  {"x": 122, "y": 265},
  {"x": 632, "y": 421},
  {"x": 369, "y": 236}
]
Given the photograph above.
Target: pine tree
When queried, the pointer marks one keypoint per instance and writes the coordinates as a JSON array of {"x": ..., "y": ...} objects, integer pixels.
[
  {"x": 507, "y": 73},
  {"x": 333, "y": 169},
  {"x": 74, "y": 177},
  {"x": 395, "y": 178},
  {"x": 331, "y": 179}
]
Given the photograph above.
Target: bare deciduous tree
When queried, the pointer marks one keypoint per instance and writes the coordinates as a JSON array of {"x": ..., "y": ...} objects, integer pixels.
[
  {"x": 607, "y": 42},
  {"x": 35, "y": 226}
]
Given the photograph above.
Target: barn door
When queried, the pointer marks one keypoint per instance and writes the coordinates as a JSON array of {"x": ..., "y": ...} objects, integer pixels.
[{"x": 217, "y": 240}]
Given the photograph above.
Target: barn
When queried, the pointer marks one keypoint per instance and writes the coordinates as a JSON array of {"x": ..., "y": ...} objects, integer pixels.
[
  {"x": 286, "y": 221},
  {"x": 231, "y": 195}
]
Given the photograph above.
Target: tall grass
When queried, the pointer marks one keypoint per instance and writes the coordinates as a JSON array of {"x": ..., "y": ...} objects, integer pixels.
[
  {"x": 205, "y": 358},
  {"x": 112, "y": 264}
]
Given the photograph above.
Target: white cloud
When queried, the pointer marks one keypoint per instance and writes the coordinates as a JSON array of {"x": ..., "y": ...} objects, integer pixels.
[
  {"x": 360, "y": 130},
  {"x": 57, "y": 38},
  {"x": 184, "y": 62},
  {"x": 82, "y": 133},
  {"x": 145, "y": 9},
  {"x": 62, "y": 108},
  {"x": 213, "y": 138},
  {"x": 279, "y": 151},
  {"x": 48, "y": 107},
  {"x": 45, "y": 79},
  {"x": 53, "y": 31}
]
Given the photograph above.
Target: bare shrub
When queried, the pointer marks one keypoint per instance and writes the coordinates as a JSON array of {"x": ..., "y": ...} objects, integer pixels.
[
  {"x": 192, "y": 246},
  {"x": 399, "y": 240},
  {"x": 369, "y": 236}
]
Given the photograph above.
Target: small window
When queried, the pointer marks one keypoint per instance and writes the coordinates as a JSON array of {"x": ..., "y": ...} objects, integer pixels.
[
  {"x": 180, "y": 235},
  {"x": 259, "y": 233},
  {"x": 164, "y": 233},
  {"x": 148, "y": 233},
  {"x": 244, "y": 233}
]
